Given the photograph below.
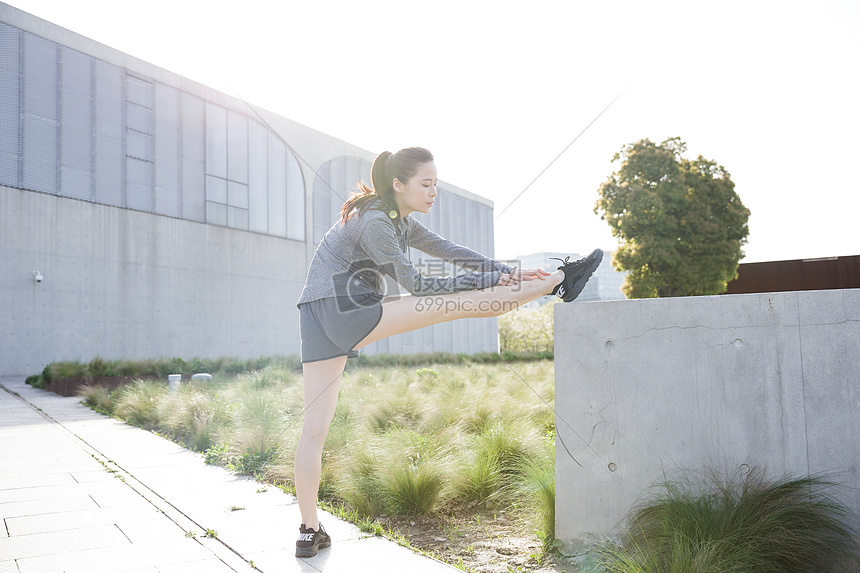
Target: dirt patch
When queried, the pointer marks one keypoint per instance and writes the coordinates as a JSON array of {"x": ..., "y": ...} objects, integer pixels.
[{"x": 484, "y": 541}]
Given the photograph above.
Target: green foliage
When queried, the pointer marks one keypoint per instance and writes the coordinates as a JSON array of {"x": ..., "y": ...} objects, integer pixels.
[
  {"x": 65, "y": 369},
  {"x": 412, "y": 486},
  {"x": 536, "y": 486},
  {"x": 137, "y": 403},
  {"x": 215, "y": 454},
  {"x": 98, "y": 368},
  {"x": 527, "y": 330},
  {"x": 739, "y": 524},
  {"x": 160, "y": 368},
  {"x": 193, "y": 416},
  {"x": 420, "y": 359},
  {"x": 681, "y": 224},
  {"x": 404, "y": 439},
  {"x": 97, "y": 397}
]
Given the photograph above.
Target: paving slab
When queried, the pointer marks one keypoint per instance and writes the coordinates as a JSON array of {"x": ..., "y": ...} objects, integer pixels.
[{"x": 85, "y": 492}]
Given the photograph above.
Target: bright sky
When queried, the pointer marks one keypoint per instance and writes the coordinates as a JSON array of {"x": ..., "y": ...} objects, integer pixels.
[{"x": 498, "y": 89}]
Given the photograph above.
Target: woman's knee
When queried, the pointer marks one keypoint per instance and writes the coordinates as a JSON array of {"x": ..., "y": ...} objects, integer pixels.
[{"x": 314, "y": 431}]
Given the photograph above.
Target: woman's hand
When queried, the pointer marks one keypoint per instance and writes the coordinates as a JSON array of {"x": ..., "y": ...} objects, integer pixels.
[{"x": 517, "y": 275}]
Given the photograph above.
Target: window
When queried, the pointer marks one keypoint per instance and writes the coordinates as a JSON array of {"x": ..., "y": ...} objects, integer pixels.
[{"x": 253, "y": 182}]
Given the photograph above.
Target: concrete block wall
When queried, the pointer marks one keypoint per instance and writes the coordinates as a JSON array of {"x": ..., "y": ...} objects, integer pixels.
[
  {"x": 126, "y": 284},
  {"x": 648, "y": 389}
]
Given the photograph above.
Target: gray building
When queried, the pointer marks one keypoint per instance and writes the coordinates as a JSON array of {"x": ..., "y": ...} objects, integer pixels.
[{"x": 144, "y": 215}]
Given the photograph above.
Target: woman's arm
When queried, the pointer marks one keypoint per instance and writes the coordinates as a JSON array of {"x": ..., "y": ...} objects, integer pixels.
[
  {"x": 379, "y": 241},
  {"x": 423, "y": 239}
]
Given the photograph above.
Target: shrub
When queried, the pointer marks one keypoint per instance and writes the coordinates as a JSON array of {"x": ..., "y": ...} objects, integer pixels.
[
  {"x": 411, "y": 487},
  {"x": 411, "y": 479},
  {"x": 96, "y": 397},
  {"x": 739, "y": 524},
  {"x": 164, "y": 368},
  {"x": 65, "y": 369},
  {"x": 99, "y": 368},
  {"x": 194, "y": 417},
  {"x": 359, "y": 484},
  {"x": 137, "y": 403},
  {"x": 478, "y": 478},
  {"x": 534, "y": 485},
  {"x": 527, "y": 330}
]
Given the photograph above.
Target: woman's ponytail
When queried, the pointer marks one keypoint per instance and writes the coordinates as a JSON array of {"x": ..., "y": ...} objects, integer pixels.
[
  {"x": 386, "y": 168},
  {"x": 378, "y": 174},
  {"x": 359, "y": 201}
]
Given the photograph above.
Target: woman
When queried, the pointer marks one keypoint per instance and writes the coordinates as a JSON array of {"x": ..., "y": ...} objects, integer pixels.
[{"x": 342, "y": 308}]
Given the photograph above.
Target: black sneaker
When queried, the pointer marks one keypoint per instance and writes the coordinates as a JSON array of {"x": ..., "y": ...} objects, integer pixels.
[
  {"x": 576, "y": 274},
  {"x": 310, "y": 541}
]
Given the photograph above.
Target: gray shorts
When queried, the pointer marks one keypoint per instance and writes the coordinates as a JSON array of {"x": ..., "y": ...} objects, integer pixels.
[{"x": 331, "y": 327}]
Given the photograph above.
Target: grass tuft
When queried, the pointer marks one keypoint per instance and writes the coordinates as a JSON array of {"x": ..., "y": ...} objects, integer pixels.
[
  {"x": 137, "y": 403},
  {"x": 96, "y": 397},
  {"x": 739, "y": 523}
]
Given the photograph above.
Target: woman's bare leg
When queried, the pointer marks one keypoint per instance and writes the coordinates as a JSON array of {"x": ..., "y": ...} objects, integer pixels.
[
  {"x": 405, "y": 313},
  {"x": 322, "y": 381},
  {"x": 401, "y": 314}
]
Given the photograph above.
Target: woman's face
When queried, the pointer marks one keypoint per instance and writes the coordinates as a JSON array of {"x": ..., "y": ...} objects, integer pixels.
[{"x": 419, "y": 192}]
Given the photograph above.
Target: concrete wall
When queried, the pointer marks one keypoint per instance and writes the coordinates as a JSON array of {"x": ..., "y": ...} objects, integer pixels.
[
  {"x": 125, "y": 284},
  {"x": 650, "y": 388}
]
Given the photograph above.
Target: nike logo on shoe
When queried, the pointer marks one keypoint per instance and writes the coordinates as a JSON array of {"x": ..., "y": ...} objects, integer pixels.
[
  {"x": 306, "y": 537},
  {"x": 576, "y": 274}
]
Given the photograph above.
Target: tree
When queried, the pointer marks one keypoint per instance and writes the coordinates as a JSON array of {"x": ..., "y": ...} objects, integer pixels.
[
  {"x": 527, "y": 330},
  {"x": 680, "y": 224}
]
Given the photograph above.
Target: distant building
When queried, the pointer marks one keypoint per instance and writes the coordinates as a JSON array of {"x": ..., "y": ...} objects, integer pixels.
[
  {"x": 796, "y": 275},
  {"x": 605, "y": 284},
  {"x": 145, "y": 215}
]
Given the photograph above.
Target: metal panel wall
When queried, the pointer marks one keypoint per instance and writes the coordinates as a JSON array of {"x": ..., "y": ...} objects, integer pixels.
[
  {"x": 322, "y": 202},
  {"x": 10, "y": 105},
  {"x": 76, "y": 125},
  {"x": 216, "y": 141},
  {"x": 338, "y": 176},
  {"x": 295, "y": 199},
  {"x": 82, "y": 128},
  {"x": 277, "y": 170},
  {"x": 237, "y": 147},
  {"x": 40, "y": 131},
  {"x": 168, "y": 151},
  {"x": 193, "y": 158},
  {"x": 109, "y": 134},
  {"x": 797, "y": 275},
  {"x": 258, "y": 197},
  {"x": 140, "y": 144}
]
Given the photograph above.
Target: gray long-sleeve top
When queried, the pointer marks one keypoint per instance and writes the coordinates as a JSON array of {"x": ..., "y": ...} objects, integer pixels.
[{"x": 352, "y": 257}]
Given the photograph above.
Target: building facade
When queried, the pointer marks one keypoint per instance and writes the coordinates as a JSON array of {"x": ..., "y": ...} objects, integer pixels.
[{"x": 144, "y": 215}]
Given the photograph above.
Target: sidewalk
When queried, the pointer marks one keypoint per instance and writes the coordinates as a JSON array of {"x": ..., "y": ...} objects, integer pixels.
[{"x": 83, "y": 492}]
